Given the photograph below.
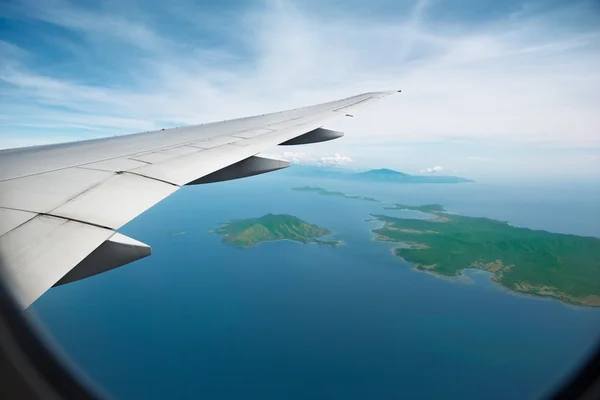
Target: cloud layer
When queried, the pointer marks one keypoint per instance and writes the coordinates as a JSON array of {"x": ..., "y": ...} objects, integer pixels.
[
  {"x": 520, "y": 74},
  {"x": 298, "y": 157}
]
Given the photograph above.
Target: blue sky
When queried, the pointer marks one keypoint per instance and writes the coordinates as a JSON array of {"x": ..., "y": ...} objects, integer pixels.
[{"x": 490, "y": 89}]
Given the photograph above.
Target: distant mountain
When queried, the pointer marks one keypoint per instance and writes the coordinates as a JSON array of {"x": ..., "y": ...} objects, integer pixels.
[
  {"x": 373, "y": 175},
  {"x": 389, "y": 175},
  {"x": 382, "y": 174}
]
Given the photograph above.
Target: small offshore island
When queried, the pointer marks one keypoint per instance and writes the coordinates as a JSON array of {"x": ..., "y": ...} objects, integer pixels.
[
  {"x": 326, "y": 192},
  {"x": 533, "y": 262},
  {"x": 271, "y": 227}
]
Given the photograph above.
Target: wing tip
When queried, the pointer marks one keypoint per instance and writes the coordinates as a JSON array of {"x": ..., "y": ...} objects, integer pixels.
[{"x": 389, "y": 92}]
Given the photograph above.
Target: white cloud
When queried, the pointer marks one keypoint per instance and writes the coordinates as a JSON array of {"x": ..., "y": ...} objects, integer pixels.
[
  {"x": 432, "y": 170},
  {"x": 298, "y": 157},
  {"x": 335, "y": 159},
  {"x": 521, "y": 79}
]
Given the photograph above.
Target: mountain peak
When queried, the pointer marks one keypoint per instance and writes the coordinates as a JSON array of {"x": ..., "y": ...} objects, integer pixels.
[{"x": 384, "y": 171}]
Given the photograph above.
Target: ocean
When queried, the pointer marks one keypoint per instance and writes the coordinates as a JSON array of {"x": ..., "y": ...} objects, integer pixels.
[{"x": 202, "y": 320}]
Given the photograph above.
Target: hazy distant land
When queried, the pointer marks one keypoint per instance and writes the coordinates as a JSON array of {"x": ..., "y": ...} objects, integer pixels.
[
  {"x": 326, "y": 192},
  {"x": 391, "y": 176},
  {"x": 270, "y": 227},
  {"x": 535, "y": 262},
  {"x": 382, "y": 175}
]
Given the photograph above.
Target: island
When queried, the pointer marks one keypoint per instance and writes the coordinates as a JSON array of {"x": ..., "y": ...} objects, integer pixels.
[
  {"x": 391, "y": 176},
  {"x": 271, "y": 227},
  {"x": 527, "y": 261},
  {"x": 326, "y": 192}
]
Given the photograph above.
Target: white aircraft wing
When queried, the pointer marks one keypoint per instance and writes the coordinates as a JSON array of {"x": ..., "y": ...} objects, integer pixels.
[{"x": 61, "y": 205}]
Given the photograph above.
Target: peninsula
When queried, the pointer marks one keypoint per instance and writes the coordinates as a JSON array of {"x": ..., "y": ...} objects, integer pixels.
[
  {"x": 270, "y": 227},
  {"x": 533, "y": 262},
  {"x": 326, "y": 192}
]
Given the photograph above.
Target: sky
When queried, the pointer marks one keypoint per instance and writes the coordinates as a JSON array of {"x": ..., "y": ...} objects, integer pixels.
[{"x": 490, "y": 90}]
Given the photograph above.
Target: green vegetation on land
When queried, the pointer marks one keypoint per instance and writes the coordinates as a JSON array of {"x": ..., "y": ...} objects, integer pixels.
[
  {"x": 535, "y": 262},
  {"x": 326, "y": 192},
  {"x": 270, "y": 227}
]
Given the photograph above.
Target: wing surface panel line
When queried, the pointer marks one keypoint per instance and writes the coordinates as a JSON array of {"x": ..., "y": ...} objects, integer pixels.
[
  {"x": 130, "y": 158},
  {"x": 151, "y": 178},
  {"x": 84, "y": 191},
  {"x": 49, "y": 214}
]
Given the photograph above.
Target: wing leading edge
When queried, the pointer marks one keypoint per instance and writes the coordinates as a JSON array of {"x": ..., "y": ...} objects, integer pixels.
[{"x": 61, "y": 205}]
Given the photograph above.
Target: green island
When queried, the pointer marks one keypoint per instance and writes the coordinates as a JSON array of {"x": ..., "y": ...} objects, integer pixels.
[
  {"x": 326, "y": 192},
  {"x": 533, "y": 262},
  {"x": 270, "y": 227}
]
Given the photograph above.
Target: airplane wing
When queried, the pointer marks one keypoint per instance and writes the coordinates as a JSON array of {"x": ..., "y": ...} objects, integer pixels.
[{"x": 61, "y": 205}]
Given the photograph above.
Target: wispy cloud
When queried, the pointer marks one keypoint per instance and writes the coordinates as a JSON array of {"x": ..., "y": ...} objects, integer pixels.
[
  {"x": 526, "y": 75},
  {"x": 94, "y": 23}
]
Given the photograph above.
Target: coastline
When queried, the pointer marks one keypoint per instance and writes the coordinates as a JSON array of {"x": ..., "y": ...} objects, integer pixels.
[{"x": 463, "y": 278}]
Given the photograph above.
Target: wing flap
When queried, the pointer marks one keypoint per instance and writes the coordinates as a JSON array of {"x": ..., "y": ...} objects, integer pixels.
[
  {"x": 116, "y": 201},
  {"x": 183, "y": 170}
]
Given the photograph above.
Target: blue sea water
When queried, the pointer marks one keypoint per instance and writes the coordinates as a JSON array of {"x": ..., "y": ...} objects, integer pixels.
[{"x": 282, "y": 320}]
